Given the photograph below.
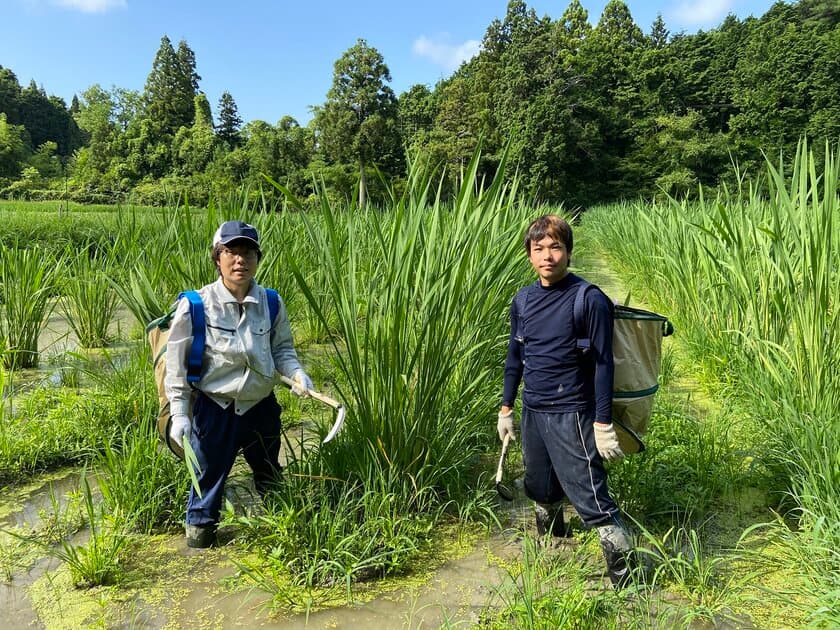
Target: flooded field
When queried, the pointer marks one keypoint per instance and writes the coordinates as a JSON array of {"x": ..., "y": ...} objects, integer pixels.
[{"x": 170, "y": 585}]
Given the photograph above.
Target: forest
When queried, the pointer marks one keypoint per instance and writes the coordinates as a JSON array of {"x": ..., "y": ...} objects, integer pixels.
[{"x": 591, "y": 114}]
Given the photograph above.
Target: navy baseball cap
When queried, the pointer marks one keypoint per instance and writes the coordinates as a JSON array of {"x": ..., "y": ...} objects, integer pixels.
[{"x": 230, "y": 231}]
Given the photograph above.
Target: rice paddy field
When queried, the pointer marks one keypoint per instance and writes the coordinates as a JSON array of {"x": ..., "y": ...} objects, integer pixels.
[{"x": 401, "y": 312}]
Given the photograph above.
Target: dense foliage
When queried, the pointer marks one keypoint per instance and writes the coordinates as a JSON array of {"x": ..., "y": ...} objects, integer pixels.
[{"x": 595, "y": 112}]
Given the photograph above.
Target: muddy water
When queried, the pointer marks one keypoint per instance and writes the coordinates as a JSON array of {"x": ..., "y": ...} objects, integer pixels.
[
  {"x": 37, "y": 499},
  {"x": 185, "y": 587},
  {"x": 57, "y": 337},
  {"x": 23, "y": 510},
  {"x": 16, "y": 609}
]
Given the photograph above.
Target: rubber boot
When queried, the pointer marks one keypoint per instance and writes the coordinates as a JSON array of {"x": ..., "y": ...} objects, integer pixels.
[
  {"x": 550, "y": 519},
  {"x": 200, "y": 536},
  {"x": 617, "y": 554}
]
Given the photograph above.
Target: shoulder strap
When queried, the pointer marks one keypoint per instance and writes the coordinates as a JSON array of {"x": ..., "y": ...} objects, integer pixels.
[
  {"x": 199, "y": 335},
  {"x": 273, "y": 304},
  {"x": 521, "y": 300},
  {"x": 579, "y": 323}
]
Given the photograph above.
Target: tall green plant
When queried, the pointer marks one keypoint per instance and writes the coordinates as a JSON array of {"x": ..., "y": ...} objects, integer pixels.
[
  {"x": 88, "y": 301},
  {"x": 27, "y": 281},
  {"x": 753, "y": 279},
  {"x": 142, "y": 481},
  {"x": 419, "y": 333}
]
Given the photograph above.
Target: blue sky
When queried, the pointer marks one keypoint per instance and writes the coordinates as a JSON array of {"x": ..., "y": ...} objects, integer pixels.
[{"x": 276, "y": 58}]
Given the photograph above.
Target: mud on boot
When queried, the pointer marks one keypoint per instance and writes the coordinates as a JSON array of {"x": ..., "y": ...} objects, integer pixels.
[
  {"x": 618, "y": 554},
  {"x": 200, "y": 536},
  {"x": 550, "y": 519}
]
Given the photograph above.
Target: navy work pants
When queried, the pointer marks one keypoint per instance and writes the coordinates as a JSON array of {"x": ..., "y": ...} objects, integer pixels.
[
  {"x": 217, "y": 435},
  {"x": 561, "y": 460}
]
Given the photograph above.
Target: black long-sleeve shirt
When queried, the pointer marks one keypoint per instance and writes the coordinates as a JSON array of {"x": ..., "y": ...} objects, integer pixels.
[{"x": 557, "y": 377}]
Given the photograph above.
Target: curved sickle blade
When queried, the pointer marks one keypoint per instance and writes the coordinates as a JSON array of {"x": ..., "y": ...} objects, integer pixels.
[{"x": 336, "y": 427}]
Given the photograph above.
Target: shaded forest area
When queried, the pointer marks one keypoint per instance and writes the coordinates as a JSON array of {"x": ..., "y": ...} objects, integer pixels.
[{"x": 593, "y": 114}]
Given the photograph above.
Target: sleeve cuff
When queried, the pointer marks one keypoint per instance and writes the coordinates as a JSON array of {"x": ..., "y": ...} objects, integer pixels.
[{"x": 179, "y": 408}]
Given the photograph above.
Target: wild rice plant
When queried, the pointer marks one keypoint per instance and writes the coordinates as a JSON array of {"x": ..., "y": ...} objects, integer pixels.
[
  {"x": 99, "y": 561},
  {"x": 175, "y": 261},
  {"x": 126, "y": 376},
  {"x": 88, "y": 301},
  {"x": 421, "y": 296},
  {"x": 753, "y": 280},
  {"x": 5, "y": 404},
  {"x": 27, "y": 282},
  {"x": 142, "y": 481}
]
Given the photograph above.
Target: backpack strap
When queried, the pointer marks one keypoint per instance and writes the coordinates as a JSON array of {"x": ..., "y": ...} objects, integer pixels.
[
  {"x": 273, "y": 304},
  {"x": 582, "y": 342},
  {"x": 521, "y": 301},
  {"x": 199, "y": 335}
]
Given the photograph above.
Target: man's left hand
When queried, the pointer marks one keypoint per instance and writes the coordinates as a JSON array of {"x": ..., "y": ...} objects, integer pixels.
[{"x": 607, "y": 442}]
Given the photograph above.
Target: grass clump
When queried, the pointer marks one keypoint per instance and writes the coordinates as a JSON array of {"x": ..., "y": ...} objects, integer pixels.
[
  {"x": 28, "y": 279},
  {"x": 143, "y": 481},
  {"x": 88, "y": 301}
]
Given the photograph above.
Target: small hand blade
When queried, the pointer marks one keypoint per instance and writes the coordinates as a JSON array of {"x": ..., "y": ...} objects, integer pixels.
[{"x": 336, "y": 427}]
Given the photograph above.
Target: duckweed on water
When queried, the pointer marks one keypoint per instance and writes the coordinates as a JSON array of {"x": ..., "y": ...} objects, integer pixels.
[{"x": 162, "y": 577}]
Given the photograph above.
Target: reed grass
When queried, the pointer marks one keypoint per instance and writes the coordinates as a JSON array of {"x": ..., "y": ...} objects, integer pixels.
[
  {"x": 27, "y": 281},
  {"x": 420, "y": 297},
  {"x": 752, "y": 281},
  {"x": 88, "y": 301}
]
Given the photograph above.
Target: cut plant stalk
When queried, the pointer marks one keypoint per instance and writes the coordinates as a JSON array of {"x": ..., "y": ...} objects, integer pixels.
[{"x": 192, "y": 465}]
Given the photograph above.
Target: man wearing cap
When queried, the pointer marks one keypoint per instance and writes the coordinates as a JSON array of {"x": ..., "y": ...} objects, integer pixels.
[{"x": 235, "y": 407}]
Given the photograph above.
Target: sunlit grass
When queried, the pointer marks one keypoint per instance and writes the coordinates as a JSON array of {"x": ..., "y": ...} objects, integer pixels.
[
  {"x": 752, "y": 281},
  {"x": 88, "y": 300},
  {"x": 28, "y": 279}
]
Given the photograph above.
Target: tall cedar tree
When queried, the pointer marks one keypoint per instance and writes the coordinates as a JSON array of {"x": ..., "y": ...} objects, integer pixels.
[
  {"x": 170, "y": 89},
  {"x": 228, "y": 129},
  {"x": 358, "y": 123}
]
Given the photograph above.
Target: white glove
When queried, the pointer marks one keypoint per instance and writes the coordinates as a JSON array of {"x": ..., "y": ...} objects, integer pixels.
[
  {"x": 607, "y": 442},
  {"x": 180, "y": 429},
  {"x": 505, "y": 425},
  {"x": 302, "y": 383}
]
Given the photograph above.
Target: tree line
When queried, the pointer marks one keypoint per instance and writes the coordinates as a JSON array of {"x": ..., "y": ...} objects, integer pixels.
[{"x": 587, "y": 113}]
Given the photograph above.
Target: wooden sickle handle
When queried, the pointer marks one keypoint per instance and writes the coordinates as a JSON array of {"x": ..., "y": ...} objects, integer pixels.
[{"x": 311, "y": 392}]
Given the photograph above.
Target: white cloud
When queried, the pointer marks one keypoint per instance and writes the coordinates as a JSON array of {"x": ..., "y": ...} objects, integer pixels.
[
  {"x": 700, "y": 12},
  {"x": 91, "y": 6},
  {"x": 448, "y": 56}
]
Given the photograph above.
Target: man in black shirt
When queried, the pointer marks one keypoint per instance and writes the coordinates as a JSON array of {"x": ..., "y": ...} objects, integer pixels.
[{"x": 567, "y": 430}]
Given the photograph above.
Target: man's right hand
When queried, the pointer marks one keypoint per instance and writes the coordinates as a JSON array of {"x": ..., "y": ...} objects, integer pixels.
[
  {"x": 505, "y": 424},
  {"x": 180, "y": 429},
  {"x": 606, "y": 441}
]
